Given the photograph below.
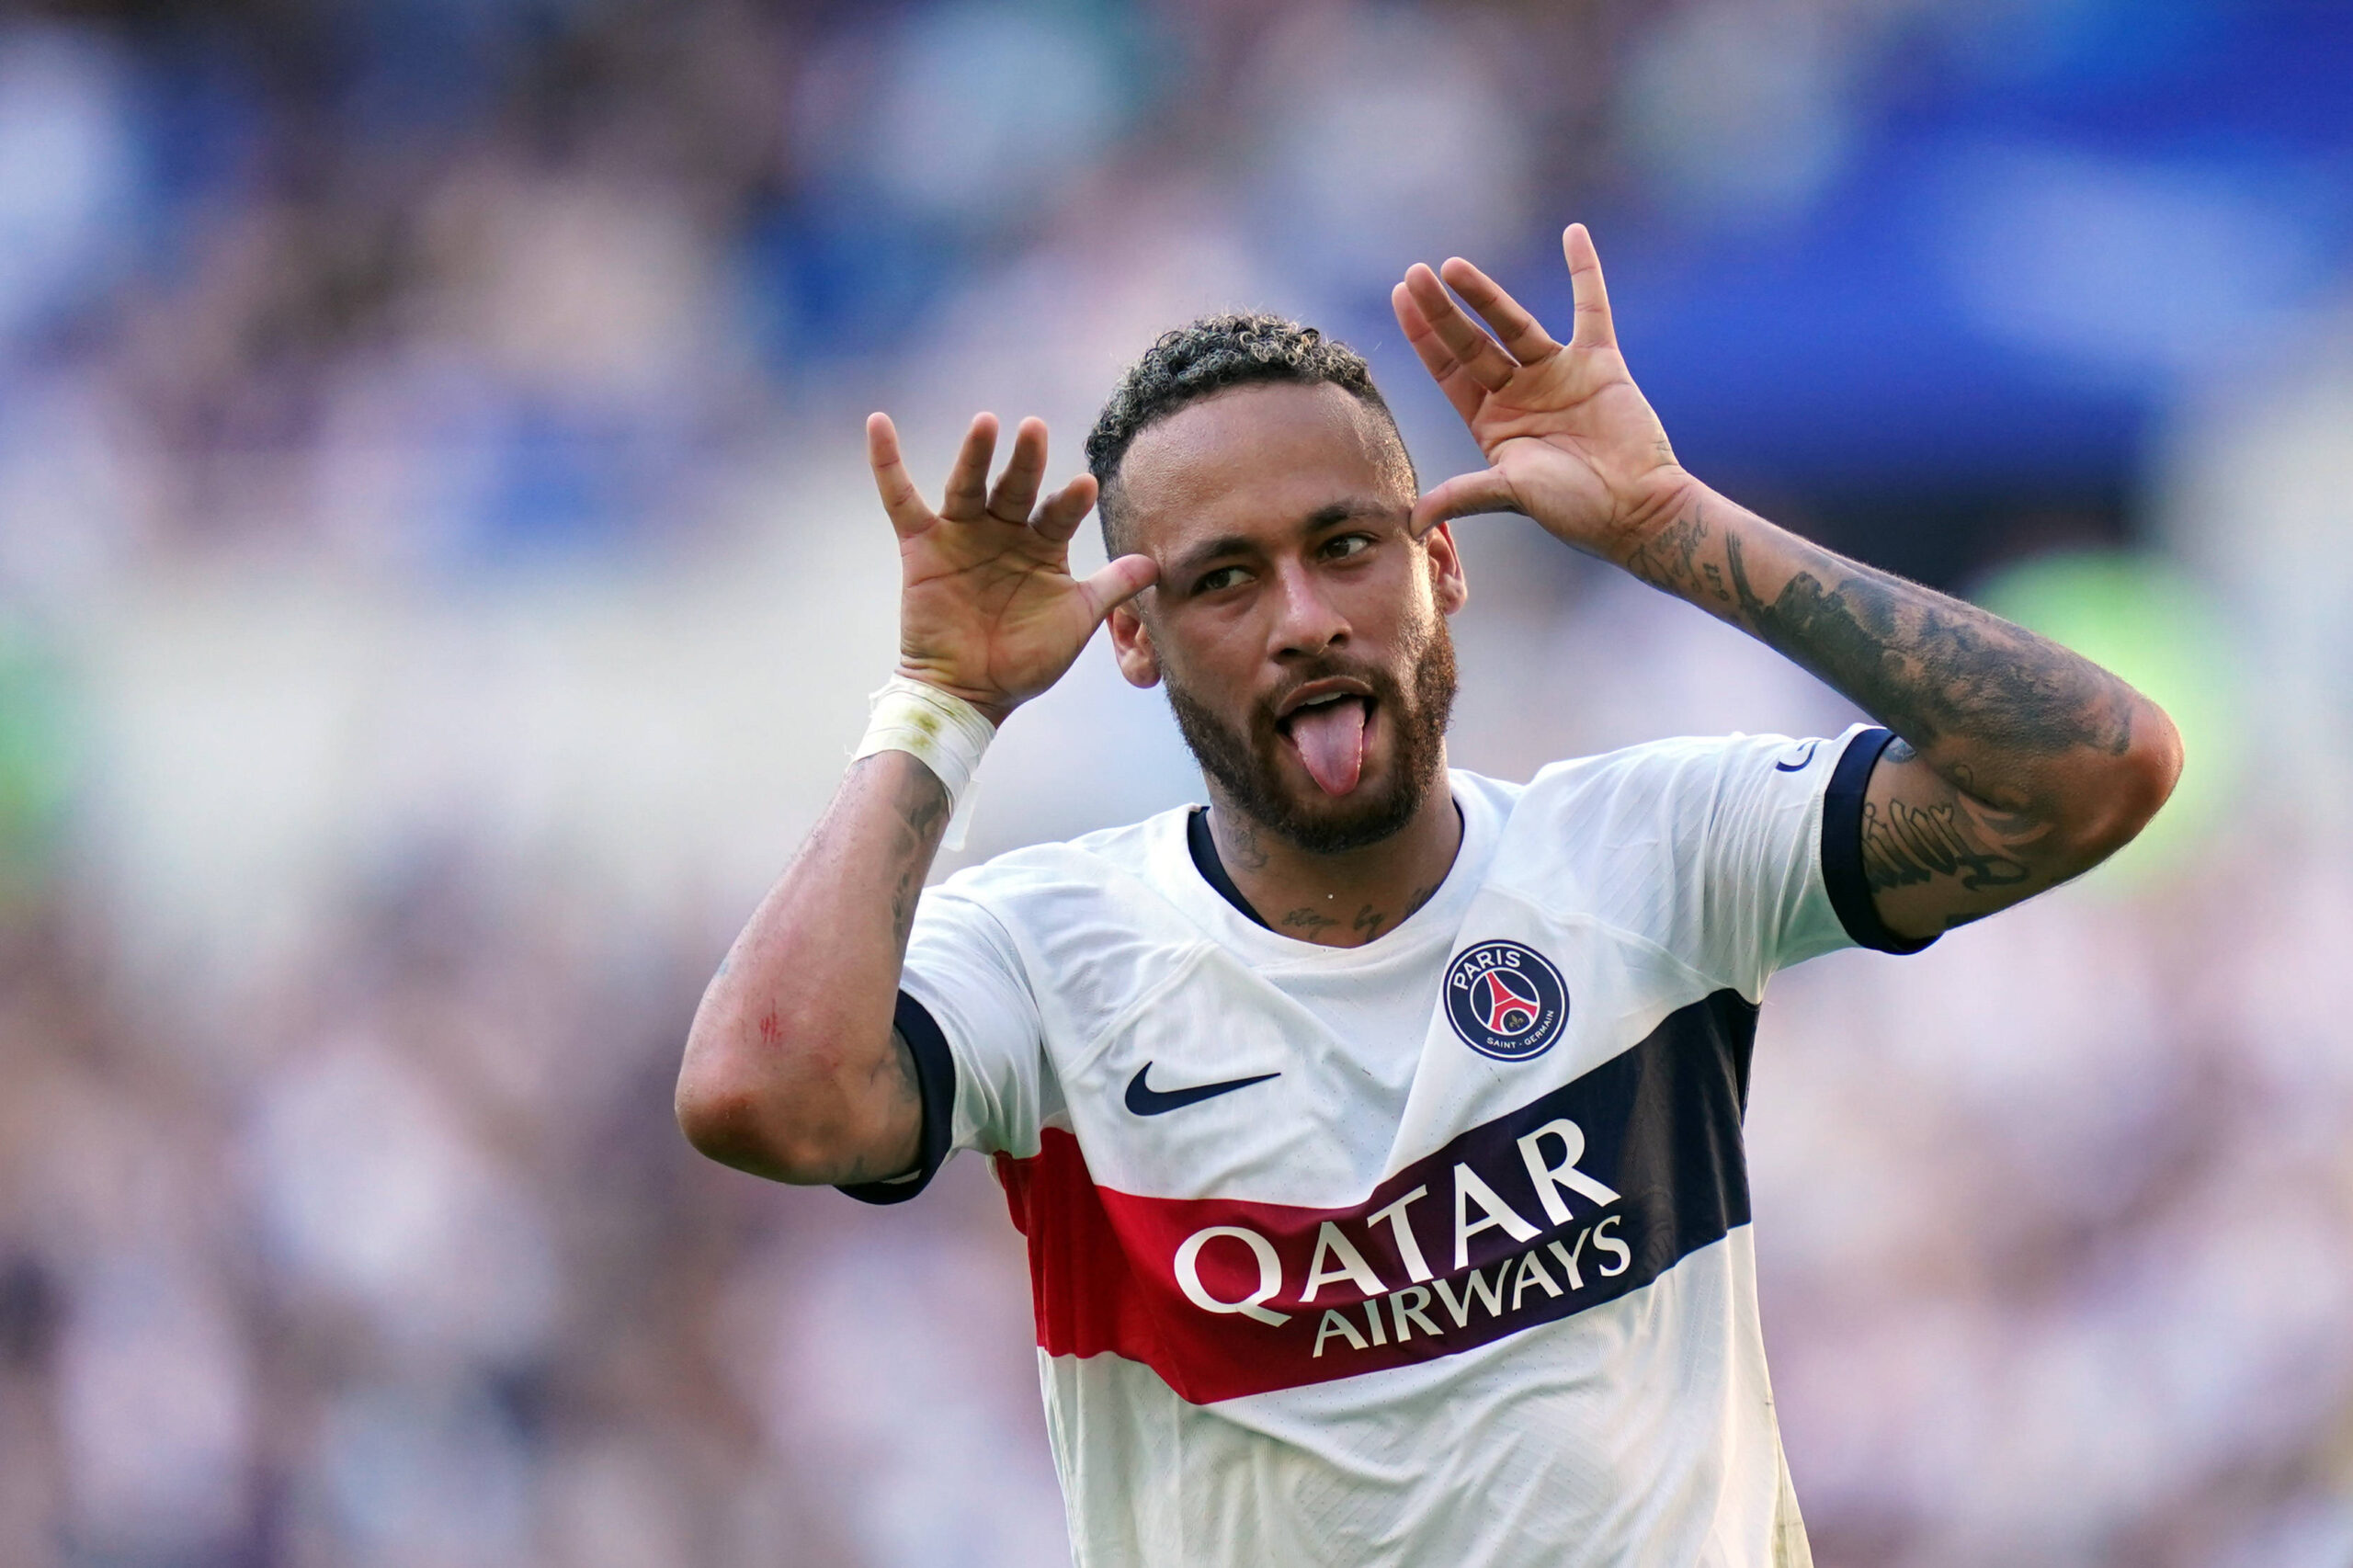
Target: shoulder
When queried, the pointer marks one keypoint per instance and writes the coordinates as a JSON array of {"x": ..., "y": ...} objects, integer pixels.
[
  {"x": 1644, "y": 816},
  {"x": 1087, "y": 924},
  {"x": 1667, "y": 769},
  {"x": 1101, "y": 864}
]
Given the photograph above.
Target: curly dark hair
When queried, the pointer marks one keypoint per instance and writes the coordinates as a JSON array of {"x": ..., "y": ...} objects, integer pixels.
[{"x": 1205, "y": 357}]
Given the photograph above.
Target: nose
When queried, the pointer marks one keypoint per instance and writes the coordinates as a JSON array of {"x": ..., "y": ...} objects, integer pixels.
[{"x": 1307, "y": 624}]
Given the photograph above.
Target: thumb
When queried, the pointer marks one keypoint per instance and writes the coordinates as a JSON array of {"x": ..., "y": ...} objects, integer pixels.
[
  {"x": 1116, "y": 585},
  {"x": 1465, "y": 495}
]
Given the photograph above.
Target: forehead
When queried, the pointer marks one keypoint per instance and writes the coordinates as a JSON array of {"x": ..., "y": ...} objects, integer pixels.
[{"x": 1256, "y": 457}]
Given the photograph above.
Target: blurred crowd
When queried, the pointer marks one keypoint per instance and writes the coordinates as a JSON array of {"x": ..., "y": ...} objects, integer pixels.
[{"x": 439, "y": 585}]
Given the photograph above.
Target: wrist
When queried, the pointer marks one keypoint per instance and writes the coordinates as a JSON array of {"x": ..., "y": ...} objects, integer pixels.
[
  {"x": 945, "y": 733},
  {"x": 996, "y": 711},
  {"x": 1650, "y": 520}
]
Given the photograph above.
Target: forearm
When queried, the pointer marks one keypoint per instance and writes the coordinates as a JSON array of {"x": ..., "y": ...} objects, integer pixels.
[
  {"x": 792, "y": 1070},
  {"x": 2012, "y": 720}
]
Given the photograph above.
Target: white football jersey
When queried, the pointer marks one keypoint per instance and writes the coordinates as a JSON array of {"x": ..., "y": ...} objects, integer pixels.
[{"x": 1431, "y": 1251}]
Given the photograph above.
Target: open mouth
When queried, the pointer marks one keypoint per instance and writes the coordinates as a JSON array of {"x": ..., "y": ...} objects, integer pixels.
[{"x": 1329, "y": 731}]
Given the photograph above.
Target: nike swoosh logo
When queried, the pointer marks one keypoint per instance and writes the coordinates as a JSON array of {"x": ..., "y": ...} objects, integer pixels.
[
  {"x": 1794, "y": 766},
  {"x": 1145, "y": 1100}
]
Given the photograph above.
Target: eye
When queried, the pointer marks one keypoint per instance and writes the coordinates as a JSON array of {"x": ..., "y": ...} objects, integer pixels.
[
  {"x": 1224, "y": 577},
  {"x": 1346, "y": 545}
]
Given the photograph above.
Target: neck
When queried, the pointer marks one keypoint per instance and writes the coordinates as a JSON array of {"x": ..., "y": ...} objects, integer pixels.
[{"x": 1343, "y": 899}]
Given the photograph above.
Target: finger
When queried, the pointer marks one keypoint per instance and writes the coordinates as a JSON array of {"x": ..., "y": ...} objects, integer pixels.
[
  {"x": 1463, "y": 392},
  {"x": 1464, "y": 495},
  {"x": 1522, "y": 336},
  {"x": 1065, "y": 509},
  {"x": 1593, "y": 329},
  {"x": 904, "y": 503},
  {"x": 1117, "y": 583},
  {"x": 965, "y": 498},
  {"x": 1017, "y": 487},
  {"x": 1482, "y": 357}
]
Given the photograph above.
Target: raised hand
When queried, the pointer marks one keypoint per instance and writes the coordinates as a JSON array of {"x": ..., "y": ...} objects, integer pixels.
[
  {"x": 988, "y": 610},
  {"x": 1569, "y": 439}
]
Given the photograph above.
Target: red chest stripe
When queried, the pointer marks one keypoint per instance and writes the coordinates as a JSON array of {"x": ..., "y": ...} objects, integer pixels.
[{"x": 1583, "y": 1195}]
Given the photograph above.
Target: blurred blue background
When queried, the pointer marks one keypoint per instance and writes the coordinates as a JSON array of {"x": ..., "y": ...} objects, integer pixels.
[{"x": 439, "y": 582}]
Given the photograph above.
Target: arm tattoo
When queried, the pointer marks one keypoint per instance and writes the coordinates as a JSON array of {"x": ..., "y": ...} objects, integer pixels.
[
  {"x": 1670, "y": 562},
  {"x": 894, "y": 1078},
  {"x": 1912, "y": 844},
  {"x": 1928, "y": 666},
  {"x": 922, "y": 807}
]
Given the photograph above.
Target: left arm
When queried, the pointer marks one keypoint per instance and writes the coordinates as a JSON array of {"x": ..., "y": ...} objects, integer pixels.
[{"x": 2018, "y": 764}]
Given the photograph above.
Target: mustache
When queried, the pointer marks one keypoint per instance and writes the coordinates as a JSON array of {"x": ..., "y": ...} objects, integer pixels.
[{"x": 1384, "y": 687}]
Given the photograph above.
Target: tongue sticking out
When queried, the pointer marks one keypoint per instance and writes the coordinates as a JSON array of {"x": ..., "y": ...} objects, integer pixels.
[{"x": 1331, "y": 743}]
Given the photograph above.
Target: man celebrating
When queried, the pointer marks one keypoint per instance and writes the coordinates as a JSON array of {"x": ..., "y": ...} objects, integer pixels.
[{"x": 1377, "y": 1129}]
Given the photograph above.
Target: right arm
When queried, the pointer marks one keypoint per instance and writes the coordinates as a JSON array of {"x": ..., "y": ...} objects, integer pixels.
[{"x": 792, "y": 1069}]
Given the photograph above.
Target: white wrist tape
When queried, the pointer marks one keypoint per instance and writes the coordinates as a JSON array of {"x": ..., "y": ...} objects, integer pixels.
[{"x": 939, "y": 730}]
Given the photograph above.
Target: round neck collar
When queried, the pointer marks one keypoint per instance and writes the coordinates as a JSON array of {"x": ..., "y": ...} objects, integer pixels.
[{"x": 1209, "y": 893}]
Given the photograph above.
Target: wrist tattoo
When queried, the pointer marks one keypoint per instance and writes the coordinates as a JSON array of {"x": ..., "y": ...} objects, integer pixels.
[{"x": 1669, "y": 561}]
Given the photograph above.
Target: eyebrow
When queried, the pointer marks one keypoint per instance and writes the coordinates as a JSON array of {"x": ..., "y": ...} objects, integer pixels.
[{"x": 1313, "y": 523}]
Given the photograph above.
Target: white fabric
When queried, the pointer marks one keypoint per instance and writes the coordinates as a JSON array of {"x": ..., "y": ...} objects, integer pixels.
[{"x": 1637, "y": 1432}]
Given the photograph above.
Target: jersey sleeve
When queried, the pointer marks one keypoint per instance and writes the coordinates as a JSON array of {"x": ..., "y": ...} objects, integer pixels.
[
  {"x": 1781, "y": 855},
  {"x": 971, "y": 1022},
  {"x": 1740, "y": 856},
  {"x": 1843, "y": 882}
]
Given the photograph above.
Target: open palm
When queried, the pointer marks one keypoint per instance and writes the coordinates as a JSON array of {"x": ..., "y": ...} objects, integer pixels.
[
  {"x": 1569, "y": 440},
  {"x": 988, "y": 608}
]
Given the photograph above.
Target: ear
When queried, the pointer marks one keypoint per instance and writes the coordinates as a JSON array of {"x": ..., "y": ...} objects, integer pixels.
[
  {"x": 1447, "y": 584},
  {"x": 1132, "y": 645}
]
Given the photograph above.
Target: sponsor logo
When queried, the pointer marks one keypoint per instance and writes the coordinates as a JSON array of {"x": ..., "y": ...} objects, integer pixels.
[
  {"x": 1145, "y": 1100},
  {"x": 1587, "y": 1192},
  {"x": 1507, "y": 1001},
  {"x": 1798, "y": 766},
  {"x": 1348, "y": 1252}
]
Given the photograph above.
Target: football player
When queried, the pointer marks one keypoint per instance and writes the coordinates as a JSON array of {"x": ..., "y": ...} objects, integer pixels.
[{"x": 1376, "y": 1130}]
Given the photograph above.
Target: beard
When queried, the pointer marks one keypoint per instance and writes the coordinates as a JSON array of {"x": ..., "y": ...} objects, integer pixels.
[{"x": 1246, "y": 763}]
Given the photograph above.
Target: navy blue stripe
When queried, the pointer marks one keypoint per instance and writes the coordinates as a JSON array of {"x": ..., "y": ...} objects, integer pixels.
[
  {"x": 1842, "y": 847},
  {"x": 1660, "y": 1124},
  {"x": 935, "y": 1084}
]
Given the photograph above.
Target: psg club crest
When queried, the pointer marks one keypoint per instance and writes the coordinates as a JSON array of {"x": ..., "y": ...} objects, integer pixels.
[{"x": 1507, "y": 1001}]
